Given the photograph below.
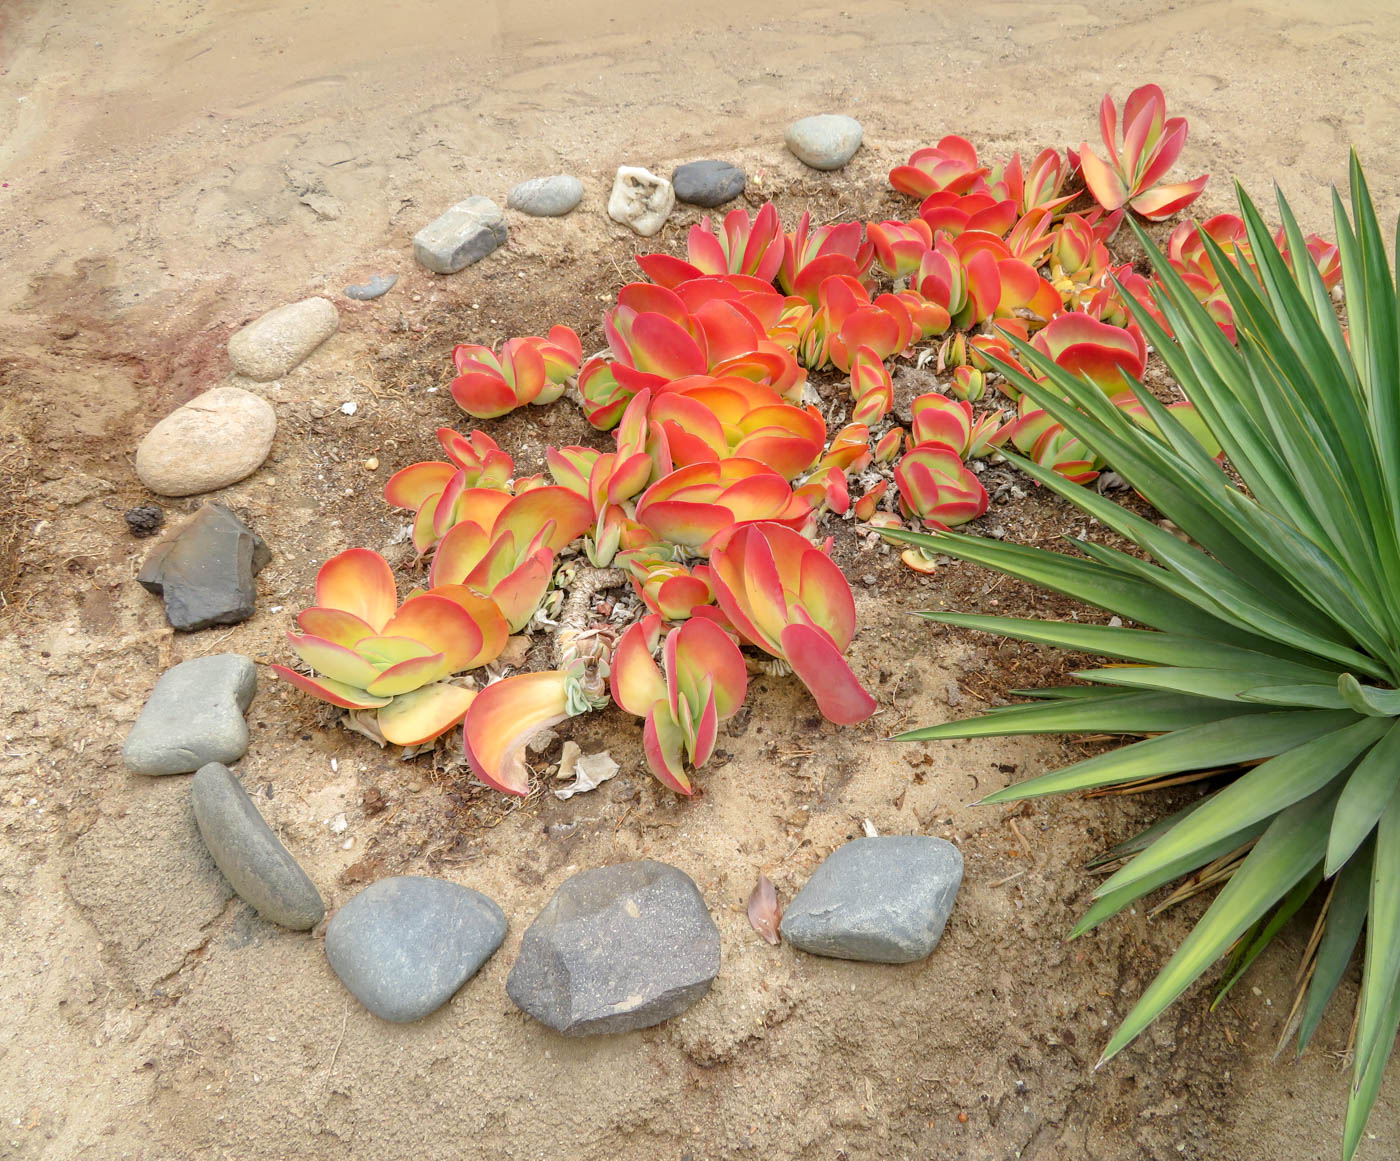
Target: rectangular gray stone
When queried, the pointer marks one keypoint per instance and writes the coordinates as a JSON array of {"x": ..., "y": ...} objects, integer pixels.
[{"x": 466, "y": 233}]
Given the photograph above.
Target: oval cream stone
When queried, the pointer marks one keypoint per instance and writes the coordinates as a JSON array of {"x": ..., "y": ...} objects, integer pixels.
[{"x": 214, "y": 440}]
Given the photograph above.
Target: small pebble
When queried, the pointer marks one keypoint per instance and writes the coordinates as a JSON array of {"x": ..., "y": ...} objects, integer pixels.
[
  {"x": 869, "y": 579},
  {"x": 372, "y": 464},
  {"x": 376, "y": 286},
  {"x": 826, "y": 141},
  {"x": 144, "y": 520}
]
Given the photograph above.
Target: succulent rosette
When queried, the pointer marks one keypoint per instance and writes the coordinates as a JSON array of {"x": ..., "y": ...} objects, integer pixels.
[{"x": 368, "y": 652}]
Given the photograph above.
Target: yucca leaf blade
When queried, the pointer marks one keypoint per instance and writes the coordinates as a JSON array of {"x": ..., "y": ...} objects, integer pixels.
[
  {"x": 1242, "y": 738},
  {"x": 1287, "y": 851}
]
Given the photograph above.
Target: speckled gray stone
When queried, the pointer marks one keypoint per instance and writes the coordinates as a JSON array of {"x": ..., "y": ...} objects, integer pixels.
[
  {"x": 466, "y": 233},
  {"x": 252, "y": 858},
  {"x": 194, "y": 716},
  {"x": 403, "y": 946},
  {"x": 883, "y": 900},
  {"x": 708, "y": 183},
  {"x": 617, "y": 948},
  {"x": 271, "y": 345},
  {"x": 546, "y": 197},
  {"x": 826, "y": 141}
]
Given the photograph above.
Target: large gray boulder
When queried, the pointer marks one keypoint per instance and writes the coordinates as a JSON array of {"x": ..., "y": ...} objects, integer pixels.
[{"x": 617, "y": 948}]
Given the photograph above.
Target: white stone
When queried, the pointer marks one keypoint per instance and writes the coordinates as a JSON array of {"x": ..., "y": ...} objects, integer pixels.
[
  {"x": 214, "y": 440},
  {"x": 270, "y": 346},
  {"x": 640, "y": 200}
]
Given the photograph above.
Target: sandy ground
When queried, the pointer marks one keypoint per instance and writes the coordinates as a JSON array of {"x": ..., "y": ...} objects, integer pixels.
[{"x": 172, "y": 168}]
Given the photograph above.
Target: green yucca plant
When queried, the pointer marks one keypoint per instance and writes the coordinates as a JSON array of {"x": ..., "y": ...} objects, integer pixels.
[{"x": 1270, "y": 644}]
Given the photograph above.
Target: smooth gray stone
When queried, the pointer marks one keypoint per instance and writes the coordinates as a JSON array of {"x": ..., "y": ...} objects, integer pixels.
[
  {"x": 883, "y": 899},
  {"x": 194, "y": 716},
  {"x": 404, "y": 945},
  {"x": 466, "y": 233},
  {"x": 826, "y": 141},
  {"x": 204, "y": 570},
  {"x": 708, "y": 183},
  {"x": 615, "y": 949},
  {"x": 252, "y": 858},
  {"x": 546, "y": 197},
  {"x": 379, "y": 284}
]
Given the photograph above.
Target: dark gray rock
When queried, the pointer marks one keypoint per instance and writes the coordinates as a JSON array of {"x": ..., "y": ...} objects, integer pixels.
[
  {"x": 194, "y": 716},
  {"x": 615, "y": 949},
  {"x": 144, "y": 520},
  {"x": 883, "y": 900},
  {"x": 252, "y": 858},
  {"x": 404, "y": 945},
  {"x": 826, "y": 141},
  {"x": 379, "y": 284},
  {"x": 466, "y": 233},
  {"x": 708, "y": 183},
  {"x": 204, "y": 570},
  {"x": 546, "y": 197}
]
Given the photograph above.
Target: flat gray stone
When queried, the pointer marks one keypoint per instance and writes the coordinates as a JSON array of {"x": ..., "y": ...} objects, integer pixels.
[
  {"x": 376, "y": 286},
  {"x": 708, "y": 183},
  {"x": 546, "y": 197},
  {"x": 204, "y": 570},
  {"x": 214, "y": 440},
  {"x": 271, "y": 345},
  {"x": 826, "y": 141},
  {"x": 615, "y": 949},
  {"x": 194, "y": 716},
  {"x": 403, "y": 946},
  {"x": 252, "y": 858},
  {"x": 883, "y": 900},
  {"x": 466, "y": 233}
]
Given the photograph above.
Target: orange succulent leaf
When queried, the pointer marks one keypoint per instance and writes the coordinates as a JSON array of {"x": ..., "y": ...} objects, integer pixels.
[
  {"x": 1108, "y": 356},
  {"x": 423, "y": 714},
  {"x": 334, "y": 625},
  {"x": 664, "y": 745},
  {"x": 335, "y": 692},
  {"x": 358, "y": 581},
  {"x": 445, "y": 626},
  {"x": 935, "y": 486},
  {"x": 485, "y": 614},
  {"x": 899, "y": 245},
  {"x": 1150, "y": 144},
  {"x": 412, "y": 485},
  {"x": 635, "y": 680},
  {"x": 820, "y": 666},
  {"x": 950, "y": 165},
  {"x": 866, "y": 505},
  {"x": 503, "y": 717},
  {"x": 889, "y": 444}
]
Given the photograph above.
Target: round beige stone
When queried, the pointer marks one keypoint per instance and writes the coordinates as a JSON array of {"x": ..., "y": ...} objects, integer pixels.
[{"x": 214, "y": 440}]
